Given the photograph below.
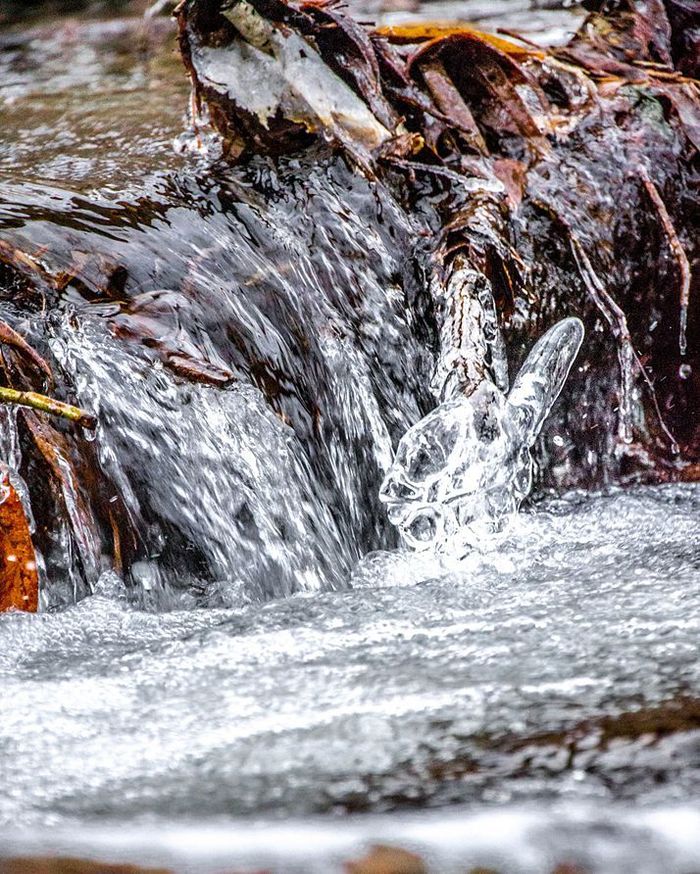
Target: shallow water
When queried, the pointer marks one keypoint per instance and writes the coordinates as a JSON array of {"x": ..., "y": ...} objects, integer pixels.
[
  {"x": 524, "y": 839},
  {"x": 421, "y": 685}
]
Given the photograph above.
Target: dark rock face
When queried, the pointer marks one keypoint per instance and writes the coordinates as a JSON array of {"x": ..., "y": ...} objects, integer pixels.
[{"x": 357, "y": 167}]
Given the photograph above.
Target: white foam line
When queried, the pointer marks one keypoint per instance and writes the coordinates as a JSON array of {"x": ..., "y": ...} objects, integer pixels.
[{"x": 515, "y": 839}]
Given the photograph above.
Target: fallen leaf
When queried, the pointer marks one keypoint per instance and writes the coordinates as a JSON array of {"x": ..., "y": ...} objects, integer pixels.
[
  {"x": 19, "y": 581},
  {"x": 406, "y": 34},
  {"x": 387, "y": 860}
]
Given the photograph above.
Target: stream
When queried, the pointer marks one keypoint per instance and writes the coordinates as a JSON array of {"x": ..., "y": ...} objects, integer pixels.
[
  {"x": 275, "y": 683},
  {"x": 499, "y": 685}
]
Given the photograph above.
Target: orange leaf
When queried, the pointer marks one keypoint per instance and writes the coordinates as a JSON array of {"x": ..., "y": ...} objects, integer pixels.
[
  {"x": 387, "y": 860},
  {"x": 19, "y": 581},
  {"x": 406, "y": 34}
]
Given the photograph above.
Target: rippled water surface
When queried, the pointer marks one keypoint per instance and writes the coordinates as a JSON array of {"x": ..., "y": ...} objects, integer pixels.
[{"x": 422, "y": 684}]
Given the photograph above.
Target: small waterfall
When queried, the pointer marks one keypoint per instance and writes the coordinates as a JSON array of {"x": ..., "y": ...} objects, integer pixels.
[
  {"x": 249, "y": 407},
  {"x": 11, "y": 455},
  {"x": 223, "y": 475}
]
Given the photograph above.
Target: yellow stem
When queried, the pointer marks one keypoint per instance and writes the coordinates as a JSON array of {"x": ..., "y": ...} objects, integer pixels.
[{"x": 47, "y": 405}]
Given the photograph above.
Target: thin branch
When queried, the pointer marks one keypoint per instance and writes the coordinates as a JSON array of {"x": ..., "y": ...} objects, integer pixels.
[
  {"x": 10, "y": 337},
  {"x": 515, "y": 35},
  {"x": 679, "y": 254},
  {"x": 616, "y": 318},
  {"x": 47, "y": 405},
  {"x": 628, "y": 354}
]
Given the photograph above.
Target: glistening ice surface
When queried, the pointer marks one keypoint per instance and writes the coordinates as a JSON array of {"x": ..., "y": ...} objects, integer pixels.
[
  {"x": 465, "y": 468},
  {"x": 421, "y": 684}
]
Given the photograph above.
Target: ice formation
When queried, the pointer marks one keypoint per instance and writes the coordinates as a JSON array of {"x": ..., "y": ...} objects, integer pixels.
[{"x": 466, "y": 467}]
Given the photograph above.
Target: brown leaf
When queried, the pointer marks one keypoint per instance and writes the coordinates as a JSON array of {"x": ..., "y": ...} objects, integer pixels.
[
  {"x": 70, "y": 866},
  {"x": 159, "y": 320},
  {"x": 19, "y": 581},
  {"x": 448, "y": 99},
  {"x": 623, "y": 36},
  {"x": 387, "y": 860},
  {"x": 55, "y": 450},
  {"x": 500, "y": 93},
  {"x": 425, "y": 31},
  {"x": 22, "y": 261}
]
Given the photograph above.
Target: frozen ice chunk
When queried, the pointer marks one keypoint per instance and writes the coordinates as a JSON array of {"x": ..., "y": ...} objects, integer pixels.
[
  {"x": 464, "y": 468},
  {"x": 543, "y": 375}
]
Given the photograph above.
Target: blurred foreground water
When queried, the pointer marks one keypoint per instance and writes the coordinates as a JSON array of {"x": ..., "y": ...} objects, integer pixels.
[{"x": 561, "y": 669}]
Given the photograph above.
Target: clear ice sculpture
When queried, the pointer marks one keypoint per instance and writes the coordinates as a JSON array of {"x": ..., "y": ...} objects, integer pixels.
[{"x": 461, "y": 471}]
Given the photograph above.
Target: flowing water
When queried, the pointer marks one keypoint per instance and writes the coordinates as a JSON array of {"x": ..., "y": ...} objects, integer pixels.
[
  {"x": 272, "y": 655},
  {"x": 484, "y": 682}
]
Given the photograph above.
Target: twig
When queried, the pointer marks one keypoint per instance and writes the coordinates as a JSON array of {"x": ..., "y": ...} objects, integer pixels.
[
  {"x": 679, "y": 254},
  {"x": 628, "y": 354},
  {"x": 10, "y": 337},
  {"x": 616, "y": 318},
  {"x": 515, "y": 35},
  {"x": 47, "y": 405}
]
